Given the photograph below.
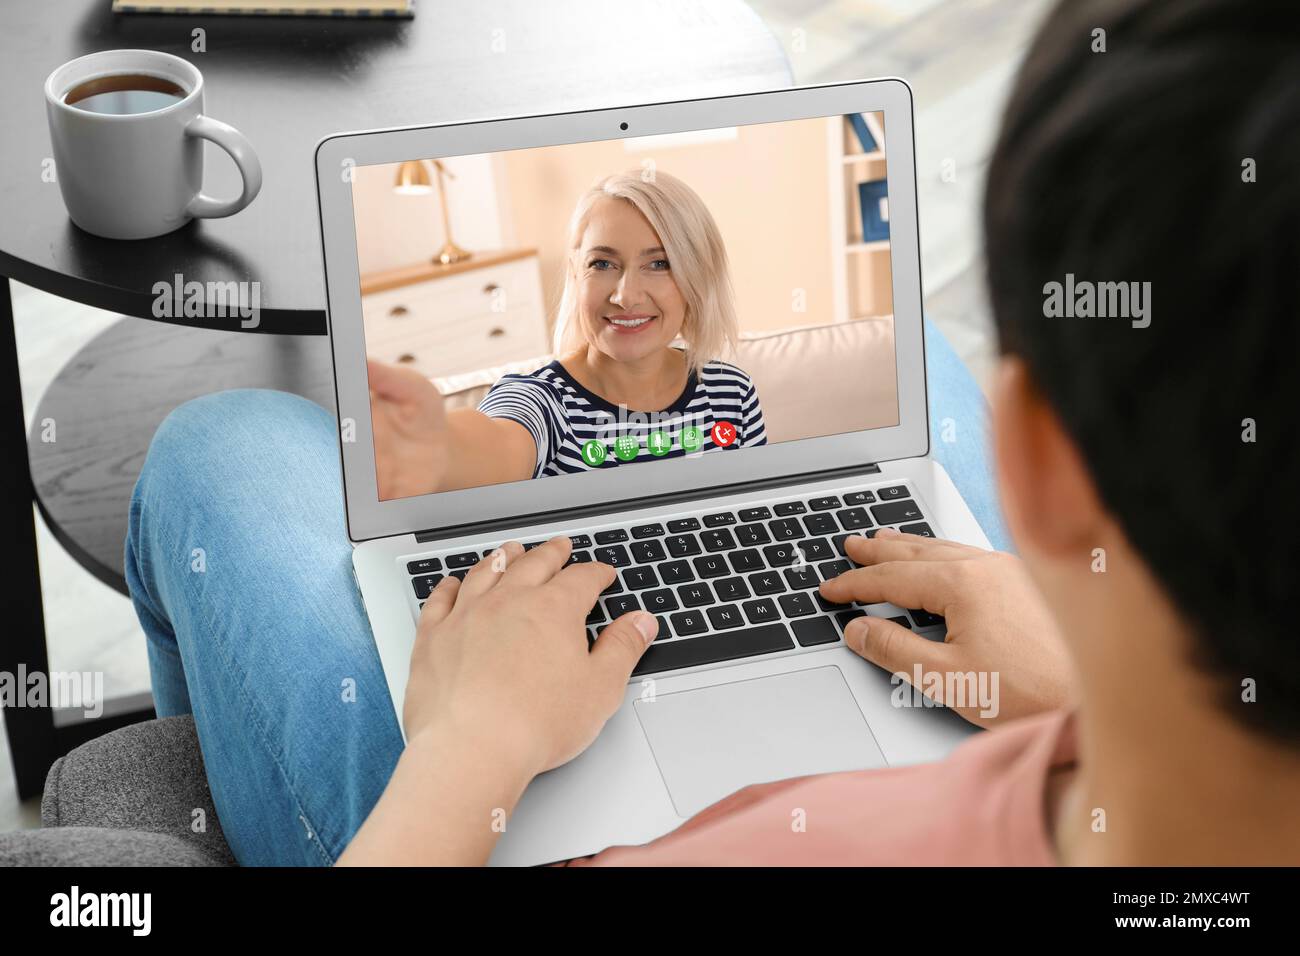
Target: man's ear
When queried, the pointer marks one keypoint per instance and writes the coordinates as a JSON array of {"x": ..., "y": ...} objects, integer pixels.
[{"x": 1048, "y": 498}]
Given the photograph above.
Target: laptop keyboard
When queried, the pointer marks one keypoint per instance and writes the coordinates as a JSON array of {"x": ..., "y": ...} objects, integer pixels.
[{"x": 728, "y": 585}]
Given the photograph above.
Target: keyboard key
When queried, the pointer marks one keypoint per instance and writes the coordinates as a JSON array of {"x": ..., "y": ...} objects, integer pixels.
[
  {"x": 779, "y": 555},
  {"x": 695, "y": 595},
  {"x": 833, "y": 569},
  {"x": 893, "y": 493},
  {"x": 615, "y": 556},
  {"x": 826, "y": 605},
  {"x": 660, "y": 602},
  {"x": 821, "y": 524},
  {"x": 648, "y": 531},
  {"x": 752, "y": 534},
  {"x": 714, "y": 649},
  {"x": 725, "y": 616},
  {"x": 643, "y": 552},
  {"x": 802, "y": 578},
  {"x": 459, "y": 573},
  {"x": 663, "y": 629},
  {"x": 839, "y": 539},
  {"x": 762, "y": 611},
  {"x": 892, "y": 512},
  {"x": 612, "y": 536},
  {"x": 466, "y": 559},
  {"x": 845, "y": 616},
  {"x": 925, "y": 618},
  {"x": 798, "y": 604},
  {"x": 828, "y": 503},
  {"x": 816, "y": 549},
  {"x": 596, "y": 615},
  {"x": 717, "y": 540},
  {"x": 580, "y": 540},
  {"x": 425, "y": 584},
  {"x": 731, "y": 589},
  {"x": 678, "y": 525},
  {"x": 638, "y": 579},
  {"x": 814, "y": 631},
  {"x": 790, "y": 508},
  {"x": 920, "y": 528},
  {"x": 682, "y": 545},
  {"x": 719, "y": 519},
  {"x": 860, "y": 498},
  {"x": 527, "y": 547},
  {"x": 614, "y": 587},
  {"x": 687, "y": 623},
  {"x": 676, "y": 572},
  {"x": 851, "y": 519},
  {"x": 786, "y": 529},
  {"x": 766, "y": 582},
  {"x": 578, "y": 557},
  {"x": 742, "y": 562},
  {"x": 755, "y": 514},
  {"x": 711, "y": 566},
  {"x": 423, "y": 566},
  {"x": 620, "y": 604},
  {"x": 902, "y": 621}
]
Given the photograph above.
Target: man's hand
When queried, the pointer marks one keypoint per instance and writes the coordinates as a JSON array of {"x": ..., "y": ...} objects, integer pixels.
[
  {"x": 412, "y": 443},
  {"x": 502, "y": 657},
  {"x": 997, "y": 621}
]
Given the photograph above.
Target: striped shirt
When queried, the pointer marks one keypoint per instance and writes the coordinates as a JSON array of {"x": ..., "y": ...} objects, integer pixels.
[{"x": 576, "y": 430}]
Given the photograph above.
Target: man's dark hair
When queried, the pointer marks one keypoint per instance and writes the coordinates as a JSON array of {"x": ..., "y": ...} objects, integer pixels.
[{"x": 1173, "y": 157}]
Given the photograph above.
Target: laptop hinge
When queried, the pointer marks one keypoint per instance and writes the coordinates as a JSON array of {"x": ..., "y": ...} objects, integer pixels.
[{"x": 611, "y": 507}]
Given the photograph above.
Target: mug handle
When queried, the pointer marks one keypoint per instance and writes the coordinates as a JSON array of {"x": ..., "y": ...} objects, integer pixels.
[{"x": 241, "y": 151}]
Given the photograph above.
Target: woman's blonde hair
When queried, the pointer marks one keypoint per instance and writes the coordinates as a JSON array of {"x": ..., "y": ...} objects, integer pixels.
[{"x": 697, "y": 260}]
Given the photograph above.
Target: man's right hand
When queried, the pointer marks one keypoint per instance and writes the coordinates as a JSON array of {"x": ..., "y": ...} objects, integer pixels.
[
  {"x": 997, "y": 621},
  {"x": 412, "y": 440}
]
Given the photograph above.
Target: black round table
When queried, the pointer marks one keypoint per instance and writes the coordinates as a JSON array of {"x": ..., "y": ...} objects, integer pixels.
[{"x": 285, "y": 83}]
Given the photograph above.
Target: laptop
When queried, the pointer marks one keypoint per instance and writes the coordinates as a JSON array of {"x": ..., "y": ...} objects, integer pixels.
[{"x": 720, "y": 527}]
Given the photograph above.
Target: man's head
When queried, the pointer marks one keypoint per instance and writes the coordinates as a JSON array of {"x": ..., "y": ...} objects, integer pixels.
[{"x": 1158, "y": 142}]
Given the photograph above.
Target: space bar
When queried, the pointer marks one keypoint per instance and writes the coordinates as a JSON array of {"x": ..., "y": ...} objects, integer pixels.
[{"x": 714, "y": 648}]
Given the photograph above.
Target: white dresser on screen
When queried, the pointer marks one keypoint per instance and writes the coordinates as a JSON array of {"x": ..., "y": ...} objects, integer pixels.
[{"x": 447, "y": 319}]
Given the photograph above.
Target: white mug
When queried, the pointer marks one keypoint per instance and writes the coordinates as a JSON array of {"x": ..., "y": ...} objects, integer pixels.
[{"x": 138, "y": 175}]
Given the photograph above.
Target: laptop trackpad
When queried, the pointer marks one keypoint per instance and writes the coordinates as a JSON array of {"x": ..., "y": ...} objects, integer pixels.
[{"x": 713, "y": 741}]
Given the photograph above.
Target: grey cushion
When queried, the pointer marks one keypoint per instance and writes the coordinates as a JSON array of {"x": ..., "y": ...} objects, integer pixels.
[
  {"x": 96, "y": 846},
  {"x": 145, "y": 777}
]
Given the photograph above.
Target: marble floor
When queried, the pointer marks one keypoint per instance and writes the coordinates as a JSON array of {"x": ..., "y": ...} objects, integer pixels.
[{"x": 958, "y": 56}]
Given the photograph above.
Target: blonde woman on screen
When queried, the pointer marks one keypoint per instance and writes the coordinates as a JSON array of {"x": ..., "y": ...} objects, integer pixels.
[{"x": 646, "y": 267}]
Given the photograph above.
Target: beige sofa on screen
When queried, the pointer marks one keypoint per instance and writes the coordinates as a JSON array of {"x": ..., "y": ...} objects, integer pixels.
[{"x": 819, "y": 380}]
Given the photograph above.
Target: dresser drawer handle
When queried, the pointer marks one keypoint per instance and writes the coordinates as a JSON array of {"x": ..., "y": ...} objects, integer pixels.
[
  {"x": 490, "y": 288},
  {"x": 496, "y": 333},
  {"x": 397, "y": 311},
  {"x": 406, "y": 358}
]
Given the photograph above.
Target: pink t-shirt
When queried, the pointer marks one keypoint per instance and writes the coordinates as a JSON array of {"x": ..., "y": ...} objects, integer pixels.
[{"x": 982, "y": 806}]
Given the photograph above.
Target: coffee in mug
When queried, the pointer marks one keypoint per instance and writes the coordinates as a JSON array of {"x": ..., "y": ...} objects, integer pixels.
[
  {"x": 121, "y": 94},
  {"x": 127, "y": 127}
]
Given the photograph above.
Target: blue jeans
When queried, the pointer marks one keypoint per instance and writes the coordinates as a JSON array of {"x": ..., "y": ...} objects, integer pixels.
[{"x": 239, "y": 567}]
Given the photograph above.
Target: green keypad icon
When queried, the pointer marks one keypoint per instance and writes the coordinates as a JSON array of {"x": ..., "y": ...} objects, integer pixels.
[{"x": 626, "y": 447}]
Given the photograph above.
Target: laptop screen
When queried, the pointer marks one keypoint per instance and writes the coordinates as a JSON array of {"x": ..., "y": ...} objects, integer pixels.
[{"x": 545, "y": 312}]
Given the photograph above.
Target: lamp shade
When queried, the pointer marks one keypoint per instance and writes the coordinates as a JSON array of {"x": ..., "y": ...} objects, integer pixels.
[{"x": 412, "y": 179}]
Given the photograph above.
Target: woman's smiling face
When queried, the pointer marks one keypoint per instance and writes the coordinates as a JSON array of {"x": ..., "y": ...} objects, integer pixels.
[{"x": 628, "y": 303}]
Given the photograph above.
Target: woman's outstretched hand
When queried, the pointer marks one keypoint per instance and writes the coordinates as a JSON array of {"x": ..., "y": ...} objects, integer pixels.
[{"x": 412, "y": 440}]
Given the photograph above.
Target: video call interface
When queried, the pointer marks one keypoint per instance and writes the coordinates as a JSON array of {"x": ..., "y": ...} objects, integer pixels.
[{"x": 544, "y": 312}]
